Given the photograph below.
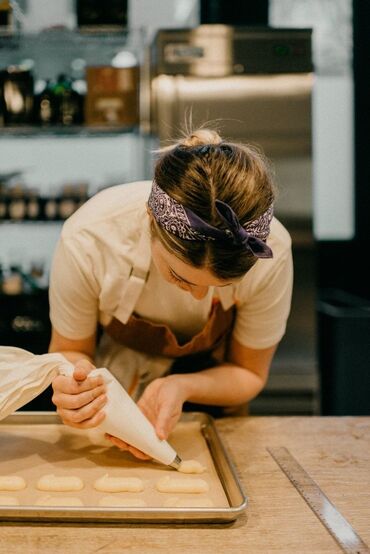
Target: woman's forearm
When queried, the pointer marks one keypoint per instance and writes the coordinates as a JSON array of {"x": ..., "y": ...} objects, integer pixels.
[
  {"x": 73, "y": 350},
  {"x": 223, "y": 385},
  {"x": 74, "y": 356}
]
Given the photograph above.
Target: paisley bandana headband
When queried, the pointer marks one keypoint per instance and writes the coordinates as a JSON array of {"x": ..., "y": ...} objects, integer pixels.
[{"x": 185, "y": 224}]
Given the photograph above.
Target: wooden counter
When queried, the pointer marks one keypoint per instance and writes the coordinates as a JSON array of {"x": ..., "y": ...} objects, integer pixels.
[{"x": 335, "y": 451}]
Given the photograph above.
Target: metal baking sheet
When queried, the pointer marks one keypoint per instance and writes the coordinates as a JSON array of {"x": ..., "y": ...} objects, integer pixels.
[{"x": 37, "y": 443}]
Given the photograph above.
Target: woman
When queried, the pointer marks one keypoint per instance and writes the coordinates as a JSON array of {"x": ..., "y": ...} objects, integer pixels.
[{"x": 189, "y": 279}]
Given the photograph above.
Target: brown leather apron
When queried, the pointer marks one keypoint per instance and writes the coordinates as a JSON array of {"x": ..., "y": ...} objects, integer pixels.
[
  {"x": 158, "y": 340},
  {"x": 205, "y": 349}
]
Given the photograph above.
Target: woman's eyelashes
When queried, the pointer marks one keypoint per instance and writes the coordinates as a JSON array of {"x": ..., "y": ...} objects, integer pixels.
[
  {"x": 174, "y": 278},
  {"x": 182, "y": 284}
]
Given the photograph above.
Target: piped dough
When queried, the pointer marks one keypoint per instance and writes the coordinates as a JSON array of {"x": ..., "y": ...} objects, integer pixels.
[
  {"x": 12, "y": 483},
  {"x": 176, "y": 502},
  {"x": 59, "y": 501},
  {"x": 9, "y": 501},
  {"x": 191, "y": 466},
  {"x": 176, "y": 484},
  {"x": 56, "y": 483},
  {"x": 115, "y": 501},
  {"x": 119, "y": 484}
]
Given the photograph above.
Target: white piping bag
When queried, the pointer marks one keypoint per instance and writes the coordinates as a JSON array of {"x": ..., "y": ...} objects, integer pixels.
[
  {"x": 125, "y": 420},
  {"x": 24, "y": 375}
]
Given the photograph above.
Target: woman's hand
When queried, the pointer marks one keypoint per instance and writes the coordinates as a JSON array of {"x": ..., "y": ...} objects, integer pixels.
[
  {"x": 161, "y": 403},
  {"x": 128, "y": 447},
  {"x": 80, "y": 399}
]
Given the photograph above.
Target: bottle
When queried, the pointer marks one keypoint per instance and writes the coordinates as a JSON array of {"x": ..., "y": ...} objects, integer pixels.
[
  {"x": 50, "y": 208},
  {"x": 68, "y": 102},
  {"x": 33, "y": 206},
  {"x": 17, "y": 204},
  {"x": 67, "y": 201},
  {"x": 2, "y": 104},
  {"x": 3, "y": 206},
  {"x": 97, "y": 16},
  {"x": 38, "y": 272},
  {"x": 79, "y": 93},
  {"x": 12, "y": 281},
  {"x": 67, "y": 205},
  {"x": 16, "y": 85},
  {"x": 6, "y": 16},
  {"x": 46, "y": 108},
  {"x": 81, "y": 193}
]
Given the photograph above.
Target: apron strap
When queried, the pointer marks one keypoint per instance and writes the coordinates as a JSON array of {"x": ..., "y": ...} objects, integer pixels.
[
  {"x": 226, "y": 296},
  {"x": 137, "y": 279}
]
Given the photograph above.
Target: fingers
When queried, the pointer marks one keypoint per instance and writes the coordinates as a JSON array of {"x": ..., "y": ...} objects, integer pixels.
[
  {"x": 164, "y": 421},
  {"x": 137, "y": 453},
  {"x": 68, "y": 385},
  {"x": 80, "y": 399},
  {"x": 76, "y": 401},
  {"x": 149, "y": 414},
  {"x": 89, "y": 423},
  {"x": 127, "y": 447},
  {"x": 162, "y": 405},
  {"x": 167, "y": 419},
  {"x": 82, "y": 369},
  {"x": 117, "y": 442},
  {"x": 82, "y": 415}
]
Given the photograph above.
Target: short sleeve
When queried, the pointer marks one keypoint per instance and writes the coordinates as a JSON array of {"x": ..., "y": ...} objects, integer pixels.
[
  {"x": 73, "y": 292},
  {"x": 262, "y": 313}
]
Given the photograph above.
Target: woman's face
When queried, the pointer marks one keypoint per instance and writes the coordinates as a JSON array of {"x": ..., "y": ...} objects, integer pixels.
[{"x": 186, "y": 277}]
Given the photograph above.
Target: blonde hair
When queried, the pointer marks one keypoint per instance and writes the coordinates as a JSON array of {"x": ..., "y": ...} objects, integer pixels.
[{"x": 196, "y": 171}]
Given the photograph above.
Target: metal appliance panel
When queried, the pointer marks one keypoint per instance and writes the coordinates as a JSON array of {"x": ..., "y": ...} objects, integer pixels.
[
  {"x": 273, "y": 111},
  {"x": 221, "y": 50}
]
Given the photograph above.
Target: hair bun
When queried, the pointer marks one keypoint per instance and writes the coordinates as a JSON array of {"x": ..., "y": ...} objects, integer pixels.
[{"x": 201, "y": 137}]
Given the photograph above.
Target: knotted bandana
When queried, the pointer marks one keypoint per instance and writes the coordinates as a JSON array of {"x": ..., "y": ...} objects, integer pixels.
[{"x": 185, "y": 224}]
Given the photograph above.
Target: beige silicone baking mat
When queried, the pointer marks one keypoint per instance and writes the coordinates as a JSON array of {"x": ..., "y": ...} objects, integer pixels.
[{"x": 34, "y": 450}]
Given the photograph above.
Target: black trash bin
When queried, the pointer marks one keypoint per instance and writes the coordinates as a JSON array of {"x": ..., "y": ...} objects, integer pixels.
[{"x": 343, "y": 324}]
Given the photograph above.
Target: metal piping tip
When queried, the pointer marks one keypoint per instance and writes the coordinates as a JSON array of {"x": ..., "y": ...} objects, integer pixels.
[{"x": 176, "y": 463}]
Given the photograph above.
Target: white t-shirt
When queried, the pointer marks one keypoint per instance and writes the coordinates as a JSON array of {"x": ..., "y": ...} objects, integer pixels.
[{"x": 93, "y": 262}]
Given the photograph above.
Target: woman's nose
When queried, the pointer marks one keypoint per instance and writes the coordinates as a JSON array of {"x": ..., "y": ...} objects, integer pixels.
[{"x": 199, "y": 292}]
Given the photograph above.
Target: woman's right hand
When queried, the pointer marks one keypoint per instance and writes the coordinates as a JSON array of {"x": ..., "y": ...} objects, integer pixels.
[{"x": 80, "y": 399}]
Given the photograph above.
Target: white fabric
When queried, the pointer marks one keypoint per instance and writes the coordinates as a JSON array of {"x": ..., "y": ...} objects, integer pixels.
[
  {"x": 138, "y": 276},
  {"x": 24, "y": 375},
  {"x": 98, "y": 249}
]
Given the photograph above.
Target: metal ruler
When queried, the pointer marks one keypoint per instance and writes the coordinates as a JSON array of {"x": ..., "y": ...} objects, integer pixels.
[{"x": 327, "y": 513}]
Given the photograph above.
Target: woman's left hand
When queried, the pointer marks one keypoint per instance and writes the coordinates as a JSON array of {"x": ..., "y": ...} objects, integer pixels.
[{"x": 161, "y": 402}]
